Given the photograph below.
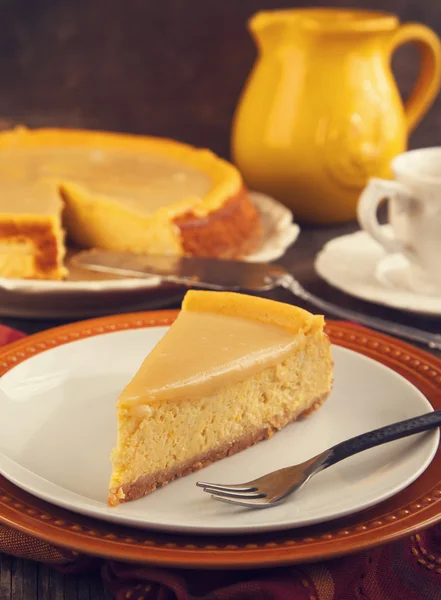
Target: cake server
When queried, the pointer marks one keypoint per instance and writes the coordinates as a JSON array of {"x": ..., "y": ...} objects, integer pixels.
[{"x": 233, "y": 275}]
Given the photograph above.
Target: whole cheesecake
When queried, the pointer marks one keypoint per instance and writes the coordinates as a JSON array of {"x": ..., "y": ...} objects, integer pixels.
[
  {"x": 230, "y": 371},
  {"x": 117, "y": 192}
]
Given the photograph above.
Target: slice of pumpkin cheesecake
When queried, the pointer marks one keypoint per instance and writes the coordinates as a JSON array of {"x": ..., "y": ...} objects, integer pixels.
[{"x": 230, "y": 371}]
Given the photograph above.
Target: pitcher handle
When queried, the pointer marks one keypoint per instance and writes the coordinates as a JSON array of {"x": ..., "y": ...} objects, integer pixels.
[{"x": 428, "y": 82}]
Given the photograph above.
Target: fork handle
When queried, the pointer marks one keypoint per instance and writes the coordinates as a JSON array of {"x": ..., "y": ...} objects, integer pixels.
[{"x": 383, "y": 435}]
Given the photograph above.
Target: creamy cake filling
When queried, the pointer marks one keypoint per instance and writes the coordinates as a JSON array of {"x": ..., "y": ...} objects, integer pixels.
[{"x": 16, "y": 258}]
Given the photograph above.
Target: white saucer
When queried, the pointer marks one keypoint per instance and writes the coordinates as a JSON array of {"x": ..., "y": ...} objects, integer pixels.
[
  {"x": 58, "y": 427},
  {"x": 358, "y": 265}
]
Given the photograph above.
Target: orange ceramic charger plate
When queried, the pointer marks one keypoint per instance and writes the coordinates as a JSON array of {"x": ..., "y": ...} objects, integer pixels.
[{"x": 416, "y": 507}]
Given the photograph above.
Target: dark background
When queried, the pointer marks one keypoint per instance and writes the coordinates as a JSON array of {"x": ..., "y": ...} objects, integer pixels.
[{"x": 163, "y": 67}]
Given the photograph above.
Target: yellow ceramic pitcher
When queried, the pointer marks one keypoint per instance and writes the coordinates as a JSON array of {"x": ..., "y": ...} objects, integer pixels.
[{"x": 321, "y": 111}]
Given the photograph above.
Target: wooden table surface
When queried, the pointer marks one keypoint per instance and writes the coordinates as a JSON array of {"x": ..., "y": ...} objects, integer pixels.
[{"x": 25, "y": 580}]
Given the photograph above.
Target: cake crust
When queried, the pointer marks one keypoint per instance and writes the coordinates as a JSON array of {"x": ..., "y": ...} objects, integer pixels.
[{"x": 148, "y": 483}]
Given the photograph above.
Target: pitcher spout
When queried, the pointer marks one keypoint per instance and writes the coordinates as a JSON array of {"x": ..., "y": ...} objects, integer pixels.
[{"x": 267, "y": 28}]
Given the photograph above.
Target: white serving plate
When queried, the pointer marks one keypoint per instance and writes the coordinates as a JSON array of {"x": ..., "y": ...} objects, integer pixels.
[
  {"x": 86, "y": 294},
  {"x": 58, "y": 427}
]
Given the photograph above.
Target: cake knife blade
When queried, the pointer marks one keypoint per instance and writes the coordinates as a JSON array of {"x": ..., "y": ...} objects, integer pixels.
[{"x": 235, "y": 275}]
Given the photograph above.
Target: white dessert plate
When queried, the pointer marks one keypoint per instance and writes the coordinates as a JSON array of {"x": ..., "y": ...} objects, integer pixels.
[
  {"x": 87, "y": 294},
  {"x": 357, "y": 265},
  {"x": 58, "y": 427}
]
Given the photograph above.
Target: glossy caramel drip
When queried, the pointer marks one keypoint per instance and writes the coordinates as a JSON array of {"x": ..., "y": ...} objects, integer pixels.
[
  {"x": 144, "y": 182},
  {"x": 27, "y": 198},
  {"x": 203, "y": 352}
]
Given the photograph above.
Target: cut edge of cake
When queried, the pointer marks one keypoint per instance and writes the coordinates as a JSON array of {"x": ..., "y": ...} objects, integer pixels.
[{"x": 32, "y": 244}]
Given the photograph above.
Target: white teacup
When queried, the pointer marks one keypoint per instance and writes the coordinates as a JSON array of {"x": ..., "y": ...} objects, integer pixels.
[{"x": 414, "y": 215}]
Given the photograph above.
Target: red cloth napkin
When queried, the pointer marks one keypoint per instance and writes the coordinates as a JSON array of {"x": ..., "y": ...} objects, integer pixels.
[{"x": 405, "y": 570}]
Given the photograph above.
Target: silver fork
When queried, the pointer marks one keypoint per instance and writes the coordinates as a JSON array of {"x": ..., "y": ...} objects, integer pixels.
[{"x": 272, "y": 488}]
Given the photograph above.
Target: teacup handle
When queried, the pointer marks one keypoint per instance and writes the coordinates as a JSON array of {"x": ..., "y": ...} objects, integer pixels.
[{"x": 375, "y": 193}]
